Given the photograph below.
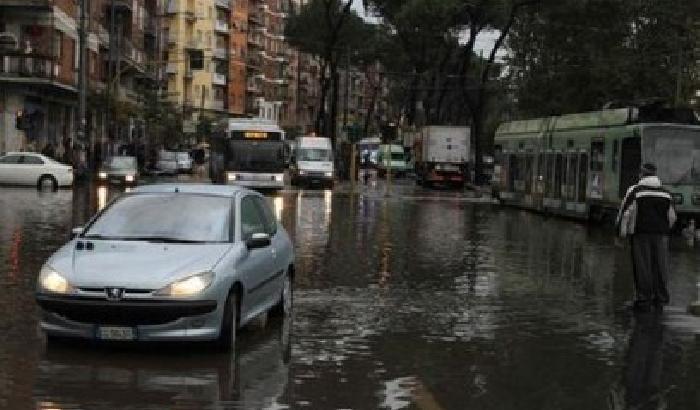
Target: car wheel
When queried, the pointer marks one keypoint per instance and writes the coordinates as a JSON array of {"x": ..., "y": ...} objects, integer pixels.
[
  {"x": 284, "y": 306},
  {"x": 46, "y": 181},
  {"x": 229, "y": 323}
]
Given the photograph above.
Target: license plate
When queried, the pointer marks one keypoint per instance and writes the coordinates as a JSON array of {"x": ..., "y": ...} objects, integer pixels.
[{"x": 116, "y": 333}]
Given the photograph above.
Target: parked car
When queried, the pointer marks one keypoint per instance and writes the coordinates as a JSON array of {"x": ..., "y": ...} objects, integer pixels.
[
  {"x": 32, "y": 169},
  {"x": 184, "y": 162},
  {"x": 119, "y": 170},
  {"x": 169, "y": 262},
  {"x": 167, "y": 162}
]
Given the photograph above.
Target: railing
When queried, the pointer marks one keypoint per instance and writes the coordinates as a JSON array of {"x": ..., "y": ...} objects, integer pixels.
[
  {"x": 221, "y": 27},
  {"x": 29, "y": 66},
  {"x": 220, "y": 53},
  {"x": 218, "y": 79}
]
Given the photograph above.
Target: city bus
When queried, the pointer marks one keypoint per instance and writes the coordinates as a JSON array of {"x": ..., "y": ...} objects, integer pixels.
[
  {"x": 581, "y": 165},
  {"x": 248, "y": 152}
]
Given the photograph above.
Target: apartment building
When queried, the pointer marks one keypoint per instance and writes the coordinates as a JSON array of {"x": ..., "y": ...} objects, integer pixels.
[
  {"x": 39, "y": 61},
  {"x": 201, "y": 50}
]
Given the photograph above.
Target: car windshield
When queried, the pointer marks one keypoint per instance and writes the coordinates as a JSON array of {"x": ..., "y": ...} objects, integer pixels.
[
  {"x": 122, "y": 163},
  {"x": 676, "y": 153},
  {"x": 167, "y": 155},
  {"x": 183, "y": 156},
  {"x": 164, "y": 217},
  {"x": 313, "y": 154}
]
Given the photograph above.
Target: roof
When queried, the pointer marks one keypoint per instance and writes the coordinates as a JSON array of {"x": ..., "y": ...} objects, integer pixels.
[
  {"x": 253, "y": 124},
  {"x": 201, "y": 189}
]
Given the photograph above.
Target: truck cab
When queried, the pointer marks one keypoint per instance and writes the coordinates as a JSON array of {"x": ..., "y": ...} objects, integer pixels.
[
  {"x": 391, "y": 158},
  {"x": 312, "y": 162}
]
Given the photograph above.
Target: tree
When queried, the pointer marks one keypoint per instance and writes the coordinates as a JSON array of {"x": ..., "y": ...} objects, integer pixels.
[
  {"x": 573, "y": 56},
  {"x": 326, "y": 29}
]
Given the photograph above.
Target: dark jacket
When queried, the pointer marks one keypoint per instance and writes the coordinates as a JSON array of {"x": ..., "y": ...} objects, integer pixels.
[{"x": 646, "y": 209}]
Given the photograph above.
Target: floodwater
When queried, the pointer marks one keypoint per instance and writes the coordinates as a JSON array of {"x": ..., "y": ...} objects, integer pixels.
[{"x": 416, "y": 301}]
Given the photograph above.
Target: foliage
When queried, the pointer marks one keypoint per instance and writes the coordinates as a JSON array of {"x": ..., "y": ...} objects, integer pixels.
[{"x": 572, "y": 56}]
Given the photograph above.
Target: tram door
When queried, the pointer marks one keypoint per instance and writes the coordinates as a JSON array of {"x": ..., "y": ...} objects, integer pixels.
[{"x": 629, "y": 164}]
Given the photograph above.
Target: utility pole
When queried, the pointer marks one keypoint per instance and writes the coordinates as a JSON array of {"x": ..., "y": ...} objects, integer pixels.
[
  {"x": 347, "y": 88},
  {"x": 82, "y": 82},
  {"x": 110, "y": 74}
]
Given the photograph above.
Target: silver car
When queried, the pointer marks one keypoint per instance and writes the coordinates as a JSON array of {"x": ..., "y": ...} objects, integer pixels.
[
  {"x": 169, "y": 263},
  {"x": 119, "y": 170}
]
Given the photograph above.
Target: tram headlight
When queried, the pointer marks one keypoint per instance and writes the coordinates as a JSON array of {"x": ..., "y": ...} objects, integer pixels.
[{"x": 231, "y": 176}]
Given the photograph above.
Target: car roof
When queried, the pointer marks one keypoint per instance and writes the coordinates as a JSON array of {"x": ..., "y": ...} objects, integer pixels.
[{"x": 198, "y": 189}]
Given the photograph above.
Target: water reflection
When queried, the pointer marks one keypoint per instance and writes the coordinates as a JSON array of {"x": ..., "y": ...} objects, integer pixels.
[
  {"x": 642, "y": 387},
  {"x": 169, "y": 376}
]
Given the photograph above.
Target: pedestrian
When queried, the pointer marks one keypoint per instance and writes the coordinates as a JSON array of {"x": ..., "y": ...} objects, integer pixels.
[
  {"x": 48, "y": 150},
  {"x": 647, "y": 216}
]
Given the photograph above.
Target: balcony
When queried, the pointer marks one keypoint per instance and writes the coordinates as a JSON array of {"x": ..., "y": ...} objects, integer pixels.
[
  {"x": 171, "y": 68},
  {"x": 132, "y": 55},
  {"x": 255, "y": 41},
  {"x": 224, "y": 4},
  {"x": 218, "y": 105},
  {"x": 221, "y": 53},
  {"x": 256, "y": 17},
  {"x": 172, "y": 38},
  {"x": 194, "y": 44},
  {"x": 253, "y": 87},
  {"x": 218, "y": 79},
  {"x": 221, "y": 27},
  {"x": 29, "y": 69}
]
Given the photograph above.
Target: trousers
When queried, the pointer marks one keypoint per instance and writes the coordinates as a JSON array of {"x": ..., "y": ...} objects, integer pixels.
[{"x": 650, "y": 259}]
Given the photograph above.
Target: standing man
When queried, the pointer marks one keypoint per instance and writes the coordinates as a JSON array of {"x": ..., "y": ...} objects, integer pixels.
[{"x": 647, "y": 216}]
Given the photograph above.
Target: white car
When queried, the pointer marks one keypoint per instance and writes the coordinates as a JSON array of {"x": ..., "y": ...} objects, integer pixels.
[
  {"x": 32, "y": 169},
  {"x": 170, "y": 263},
  {"x": 184, "y": 162},
  {"x": 167, "y": 162}
]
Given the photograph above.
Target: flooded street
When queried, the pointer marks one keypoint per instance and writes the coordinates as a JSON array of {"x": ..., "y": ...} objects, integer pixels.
[{"x": 420, "y": 300}]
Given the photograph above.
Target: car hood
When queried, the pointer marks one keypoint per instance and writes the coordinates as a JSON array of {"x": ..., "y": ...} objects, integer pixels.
[
  {"x": 136, "y": 265},
  {"x": 120, "y": 171}
]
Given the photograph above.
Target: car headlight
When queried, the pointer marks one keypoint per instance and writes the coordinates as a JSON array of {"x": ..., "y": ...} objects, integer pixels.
[
  {"x": 102, "y": 175},
  {"x": 129, "y": 178},
  {"x": 302, "y": 172},
  {"x": 231, "y": 176},
  {"x": 188, "y": 286},
  {"x": 279, "y": 178},
  {"x": 52, "y": 281},
  {"x": 329, "y": 174}
]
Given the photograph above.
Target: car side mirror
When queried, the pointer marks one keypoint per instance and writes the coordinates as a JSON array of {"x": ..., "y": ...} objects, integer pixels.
[
  {"x": 77, "y": 231},
  {"x": 258, "y": 240}
]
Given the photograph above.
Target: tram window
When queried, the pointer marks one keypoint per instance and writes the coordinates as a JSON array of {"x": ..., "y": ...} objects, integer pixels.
[
  {"x": 582, "y": 177},
  {"x": 615, "y": 155},
  {"x": 551, "y": 183},
  {"x": 597, "y": 156},
  {"x": 571, "y": 178},
  {"x": 528, "y": 173},
  {"x": 512, "y": 172},
  {"x": 559, "y": 171}
]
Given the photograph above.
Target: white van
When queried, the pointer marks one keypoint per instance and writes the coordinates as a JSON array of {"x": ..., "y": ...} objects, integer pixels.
[{"x": 312, "y": 162}]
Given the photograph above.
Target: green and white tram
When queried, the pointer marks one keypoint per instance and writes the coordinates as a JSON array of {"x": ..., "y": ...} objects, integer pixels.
[{"x": 581, "y": 165}]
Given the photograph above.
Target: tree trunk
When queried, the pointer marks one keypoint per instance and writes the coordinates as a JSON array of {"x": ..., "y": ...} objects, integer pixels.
[
  {"x": 320, "y": 114},
  {"x": 370, "y": 109}
]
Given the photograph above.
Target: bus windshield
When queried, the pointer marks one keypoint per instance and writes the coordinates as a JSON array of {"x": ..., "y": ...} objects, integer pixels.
[
  {"x": 263, "y": 156},
  {"x": 676, "y": 153}
]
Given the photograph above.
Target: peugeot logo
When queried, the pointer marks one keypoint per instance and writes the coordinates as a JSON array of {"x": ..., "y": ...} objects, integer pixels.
[{"x": 114, "y": 294}]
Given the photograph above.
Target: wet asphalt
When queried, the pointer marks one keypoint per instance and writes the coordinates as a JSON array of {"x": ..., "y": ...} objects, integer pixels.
[{"x": 413, "y": 300}]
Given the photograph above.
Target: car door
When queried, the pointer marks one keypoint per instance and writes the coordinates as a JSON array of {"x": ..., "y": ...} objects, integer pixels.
[
  {"x": 256, "y": 267},
  {"x": 31, "y": 167},
  {"x": 278, "y": 250},
  {"x": 9, "y": 169}
]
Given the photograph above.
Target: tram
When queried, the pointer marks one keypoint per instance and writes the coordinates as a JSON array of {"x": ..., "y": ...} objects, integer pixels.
[{"x": 581, "y": 165}]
